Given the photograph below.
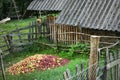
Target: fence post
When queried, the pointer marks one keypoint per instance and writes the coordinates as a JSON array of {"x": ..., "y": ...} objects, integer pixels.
[
  {"x": 2, "y": 65},
  {"x": 67, "y": 75},
  {"x": 9, "y": 38},
  {"x": 93, "y": 61},
  {"x": 39, "y": 29},
  {"x": 57, "y": 37},
  {"x": 19, "y": 35}
]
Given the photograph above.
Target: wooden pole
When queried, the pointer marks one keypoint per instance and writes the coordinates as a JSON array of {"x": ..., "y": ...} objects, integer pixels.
[
  {"x": 57, "y": 38},
  {"x": 2, "y": 66},
  {"x": 9, "y": 38},
  {"x": 93, "y": 62}
]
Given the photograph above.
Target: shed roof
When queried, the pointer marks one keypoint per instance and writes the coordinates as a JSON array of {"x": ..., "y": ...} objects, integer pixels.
[
  {"x": 93, "y": 14},
  {"x": 47, "y": 5}
]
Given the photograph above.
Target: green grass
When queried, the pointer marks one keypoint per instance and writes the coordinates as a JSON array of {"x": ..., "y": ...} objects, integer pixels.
[
  {"x": 53, "y": 74},
  {"x": 13, "y": 24}
]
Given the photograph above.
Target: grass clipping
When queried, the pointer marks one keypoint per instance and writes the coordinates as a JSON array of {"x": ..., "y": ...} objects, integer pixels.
[{"x": 37, "y": 62}]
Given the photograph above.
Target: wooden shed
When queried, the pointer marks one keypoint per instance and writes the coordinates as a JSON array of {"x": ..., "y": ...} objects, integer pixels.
[
  {"x": 48, "y": 6},
  {"x": 79, "y": 19},
  {"x": 94, "y": 17}
]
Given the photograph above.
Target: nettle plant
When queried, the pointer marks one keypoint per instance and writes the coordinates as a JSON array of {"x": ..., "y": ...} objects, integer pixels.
[{"x": 80, "y": 47}]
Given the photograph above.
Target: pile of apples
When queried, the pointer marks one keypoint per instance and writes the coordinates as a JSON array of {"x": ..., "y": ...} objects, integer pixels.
[{"x": 36, "y": 62}]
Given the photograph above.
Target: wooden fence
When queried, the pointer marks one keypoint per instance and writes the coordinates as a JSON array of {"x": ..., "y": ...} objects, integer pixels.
[
  {"x": 16, "y": 40},
  {"x": 47, "y": 33},
  {"x": 108, "y": 68},
  {"x": 4, "y": 46},
  {"x": 82, "y": 73},
  {"x": 20, "y": 37},
  {"x": 112, "y": 62}
]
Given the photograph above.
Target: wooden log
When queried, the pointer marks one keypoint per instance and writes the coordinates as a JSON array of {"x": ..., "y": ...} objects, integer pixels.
[
  {"x": 2, "y": 66},
  {"x": 93, "y": 61},
  {"x": 4, "y": 20}
]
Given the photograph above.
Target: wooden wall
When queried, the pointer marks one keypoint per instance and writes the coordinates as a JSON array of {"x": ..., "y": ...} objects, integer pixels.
[
  {"x": 102, "y": 33},
  {"x": 66, "y": 34}
]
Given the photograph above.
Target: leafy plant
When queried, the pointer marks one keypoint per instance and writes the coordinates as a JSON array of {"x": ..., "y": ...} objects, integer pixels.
[{"x": 83, "y": 48}]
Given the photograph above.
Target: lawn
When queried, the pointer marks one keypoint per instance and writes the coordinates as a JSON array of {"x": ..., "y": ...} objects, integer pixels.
[{"x": 52, "y": 74}]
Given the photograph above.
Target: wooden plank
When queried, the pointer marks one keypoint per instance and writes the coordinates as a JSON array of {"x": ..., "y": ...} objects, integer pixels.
[
  {"x": 69, "y": 74},
  {"x": 65, "y": 76},
  {"x": 9, "y": 38},
  {"x": 20, "y": 29},
  {"x": 111, "y": 69},
  {"x": 119, "y": 65},
  {"x": 39, "y": 28},
  {"x": 50, "y": 31},
  {"x": 21, "y": 44},
  {"x": 29, "y": 35},
  {"x": 57, "y": 37},
  {"x": 19, "y": 36},
  {"x": 58, "y": 33},
  {"x": 65, "y": 36},
  {"x": 54, "y": 30},
  {"x": 112, "y": 64},
  {"x": 36, "y": 30},
  {"x": 78, "y": 72},
  {"x": 32, "y": 31},
  {"x": 82, "y": 70},
  {"x": 76, "y": 34},
  {"x": 69, "y": 34},
  {"x": 115, "y": 67},
  {"x": 5, "y": 39},
  {"x": 61, "y": 33}
]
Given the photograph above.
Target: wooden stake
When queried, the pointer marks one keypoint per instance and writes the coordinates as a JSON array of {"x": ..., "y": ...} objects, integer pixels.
[
  {"x": 93, "y": 57},
  {"x": 2, "y": 66}
]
